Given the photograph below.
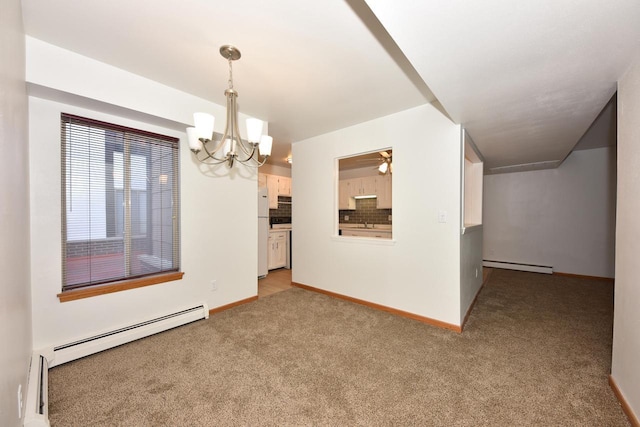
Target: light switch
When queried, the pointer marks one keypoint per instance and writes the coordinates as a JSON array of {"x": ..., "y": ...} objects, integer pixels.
[{"x": 442, "y": 216}]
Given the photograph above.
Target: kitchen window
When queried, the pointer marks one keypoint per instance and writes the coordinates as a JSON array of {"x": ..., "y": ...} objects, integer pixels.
[{"x": 120, "y": 206}]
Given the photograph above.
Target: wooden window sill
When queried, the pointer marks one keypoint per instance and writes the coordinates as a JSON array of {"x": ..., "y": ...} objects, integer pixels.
[{"x": 93, "y": 291}]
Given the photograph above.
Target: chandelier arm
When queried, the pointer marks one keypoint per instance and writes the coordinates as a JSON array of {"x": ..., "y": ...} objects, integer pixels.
[
  {"x": 250, "y": 156},
  {"x": 260, "y": 163},
  {"x": 236, "y": 129},
  {"x": 211, "y": 154},
  {"x": 206, "y": 161}
]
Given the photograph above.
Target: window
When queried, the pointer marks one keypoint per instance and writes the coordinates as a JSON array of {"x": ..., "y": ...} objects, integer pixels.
[{"x": 120, "y": 203}]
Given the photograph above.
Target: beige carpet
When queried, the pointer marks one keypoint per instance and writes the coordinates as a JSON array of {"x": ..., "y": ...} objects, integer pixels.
[{"x": 535, "y": 351}]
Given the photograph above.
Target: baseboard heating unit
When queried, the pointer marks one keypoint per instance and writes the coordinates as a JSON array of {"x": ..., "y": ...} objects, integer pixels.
[
  {"x": 84, "y": 347},
  {"x": 36, "y": 412},
  {"x": 517, "y": 266}
]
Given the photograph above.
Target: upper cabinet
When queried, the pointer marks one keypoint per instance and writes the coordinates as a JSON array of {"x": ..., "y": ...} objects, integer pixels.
[
  {"x": 378, "y": 186},
  {"x": 272, "y": 189},
  {"x": 284, "y": 186},
  {"x": 362, "y": 186},
  {"x": 383, "y": 191},
  {"x": 276, "y": 186},
  {"x": 345, "y": 199}
]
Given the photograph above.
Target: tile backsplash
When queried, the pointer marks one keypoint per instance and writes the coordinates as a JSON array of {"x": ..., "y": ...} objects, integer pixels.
[
  {"x": 365, "y": 212},
  {"x": 284, "y": 208}
]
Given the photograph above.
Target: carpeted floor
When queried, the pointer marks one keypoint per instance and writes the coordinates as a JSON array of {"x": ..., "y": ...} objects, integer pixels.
[{"x": 535, "y": 351}]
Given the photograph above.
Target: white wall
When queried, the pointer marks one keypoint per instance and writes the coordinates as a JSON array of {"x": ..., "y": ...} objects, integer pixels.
[
  {"x": 275, "y": 170},
  {"x": 15, "y": 308},
  {"x": 418, "y": 271},
  {"x": 564, "y": 217},
  {"x": 213, "y": 204},
  {"x": 470, "y": 267},
  {"x": 626, "y": 323},
  {"x": 471, "y": 238}
]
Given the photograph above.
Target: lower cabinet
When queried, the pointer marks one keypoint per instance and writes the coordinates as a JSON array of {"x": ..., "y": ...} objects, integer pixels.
[{"x": 277, "y": 254}]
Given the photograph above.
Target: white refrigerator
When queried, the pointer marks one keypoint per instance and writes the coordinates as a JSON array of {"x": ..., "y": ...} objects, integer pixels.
[{"x": 263, "y": 231}]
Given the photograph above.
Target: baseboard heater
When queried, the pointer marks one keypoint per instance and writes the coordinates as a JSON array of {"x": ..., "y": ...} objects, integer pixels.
[
  {"x": 84, "y": 347},
  {"x": 517, "y": 266},
  {"x": 36, "y": 406}
]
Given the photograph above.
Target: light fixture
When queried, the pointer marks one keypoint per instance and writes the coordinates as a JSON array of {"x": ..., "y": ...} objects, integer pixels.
[
  {"x": 387, "y": 163},
  {"x": 231, "y": 147}
]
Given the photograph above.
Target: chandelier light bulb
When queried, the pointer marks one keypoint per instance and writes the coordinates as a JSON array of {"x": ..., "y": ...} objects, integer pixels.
[
  {"x": 265, "y": 145},
  {"x": 254, "y": 130},
  {"x": 192, "y": 138},
  {"x": 204, "y": 125}
]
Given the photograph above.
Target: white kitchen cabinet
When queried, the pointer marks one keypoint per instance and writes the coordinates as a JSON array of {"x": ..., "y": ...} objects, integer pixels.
[
  {"x": 277, "y": 186},
  {"x": 383, "y": 191},
  {"x": 362, "y": 186},
  {"x": 368, "y": 185},
  {"x": 277, "y": 254},
  {"x": 284, "y": 186},
  {"x": 345, "y": 201},
  {"x": 272, "y": 188},
  {"x": 380, "y": 186}
]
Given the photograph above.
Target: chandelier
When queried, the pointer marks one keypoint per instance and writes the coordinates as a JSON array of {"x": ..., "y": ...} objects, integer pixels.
[{"x": 231, "y": 147}]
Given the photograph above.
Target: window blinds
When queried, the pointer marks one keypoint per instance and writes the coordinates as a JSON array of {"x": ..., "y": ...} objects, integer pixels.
[{"x": 119, "y": 202}]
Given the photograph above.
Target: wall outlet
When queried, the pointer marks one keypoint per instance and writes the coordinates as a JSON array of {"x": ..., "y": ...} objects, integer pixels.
[
  {"x": 214, "y": 285},
  {"x": 346, "y": 217},
  {"x": 20, "y": 402},
  {"x": 442, "y": 216}
]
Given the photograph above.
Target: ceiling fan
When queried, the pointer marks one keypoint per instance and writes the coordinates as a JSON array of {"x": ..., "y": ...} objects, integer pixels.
[
  {"x": 384, "y": 160},
  {"x": 387, "y": 164}
]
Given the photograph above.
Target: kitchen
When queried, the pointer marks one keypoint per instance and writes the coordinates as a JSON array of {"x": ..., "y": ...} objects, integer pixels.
[
  {"x": 274, "y": 223},
  {"x": 364, "y": 206},
  {"x": 365, "y": 195}
]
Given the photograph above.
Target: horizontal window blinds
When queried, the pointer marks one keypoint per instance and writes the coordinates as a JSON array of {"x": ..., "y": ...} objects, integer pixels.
[{"x": 119, "y": 202}]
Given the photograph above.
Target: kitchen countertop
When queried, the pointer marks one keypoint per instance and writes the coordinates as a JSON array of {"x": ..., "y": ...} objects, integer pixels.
[
  {"x": 280, "y": 227},
  {"x": 367, "y": 227}
]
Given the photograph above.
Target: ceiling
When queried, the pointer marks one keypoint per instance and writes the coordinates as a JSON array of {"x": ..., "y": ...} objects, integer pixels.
[{"x": 525, "y": 79}]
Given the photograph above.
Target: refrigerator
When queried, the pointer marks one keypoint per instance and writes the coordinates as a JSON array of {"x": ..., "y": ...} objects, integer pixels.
[{"x": 263, "y": 231}]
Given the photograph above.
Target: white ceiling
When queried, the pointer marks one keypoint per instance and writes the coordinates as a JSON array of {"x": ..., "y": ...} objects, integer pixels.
[{"x": 526, "y": 78}]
